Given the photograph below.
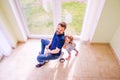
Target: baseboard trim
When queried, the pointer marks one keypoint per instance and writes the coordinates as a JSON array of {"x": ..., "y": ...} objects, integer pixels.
[
  {"x": 20, "y": 42},
  {"x": 92, "y": 43},
  {"x": 114, "y": 54}
]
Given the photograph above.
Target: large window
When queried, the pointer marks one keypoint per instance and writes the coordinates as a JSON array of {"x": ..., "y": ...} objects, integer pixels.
[{"x": 43, "y": 15}]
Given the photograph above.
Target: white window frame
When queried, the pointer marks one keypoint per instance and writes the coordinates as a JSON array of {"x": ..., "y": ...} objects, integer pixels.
[{"x": 56, "y": 17}]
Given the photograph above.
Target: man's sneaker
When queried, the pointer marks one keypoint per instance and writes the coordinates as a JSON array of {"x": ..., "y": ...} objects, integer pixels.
[{"x": 39, "y": 65}]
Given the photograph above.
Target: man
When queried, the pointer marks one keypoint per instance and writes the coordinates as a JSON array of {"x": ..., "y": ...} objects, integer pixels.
[{"x": 54, "y": 47}]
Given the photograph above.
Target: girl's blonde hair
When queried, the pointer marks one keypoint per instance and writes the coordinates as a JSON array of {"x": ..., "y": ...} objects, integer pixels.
[{"x": 69, "y": 37}]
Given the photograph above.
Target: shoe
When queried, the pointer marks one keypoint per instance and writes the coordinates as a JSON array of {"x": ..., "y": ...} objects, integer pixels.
[
  {"x": 68, "y": 58},
  {"x": 76, "y": 54},
  {"x": 39, "y": 65}
]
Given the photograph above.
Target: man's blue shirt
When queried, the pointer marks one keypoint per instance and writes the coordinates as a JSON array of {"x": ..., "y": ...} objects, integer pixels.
[{"x": 57, "y": 41}]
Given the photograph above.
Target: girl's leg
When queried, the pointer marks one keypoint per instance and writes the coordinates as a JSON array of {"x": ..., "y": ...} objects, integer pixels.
[
  {"x": 69, "y": 56},
  {"x": 76, "y": 52}
]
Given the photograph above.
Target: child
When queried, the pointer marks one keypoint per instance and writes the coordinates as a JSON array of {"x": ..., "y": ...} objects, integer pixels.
[{"x": 69, "y": 46}]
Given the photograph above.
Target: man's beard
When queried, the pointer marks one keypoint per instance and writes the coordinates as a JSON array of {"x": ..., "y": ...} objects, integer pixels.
[{"x": 58, "y": 33}]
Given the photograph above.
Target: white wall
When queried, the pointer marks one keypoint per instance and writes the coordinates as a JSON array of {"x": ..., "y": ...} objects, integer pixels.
[
  {"x": 115, "y": 42},
  {"x": 108, "y": 23}
]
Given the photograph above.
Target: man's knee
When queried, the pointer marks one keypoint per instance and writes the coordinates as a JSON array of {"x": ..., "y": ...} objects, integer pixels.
[
  {"x": 45, "y": 41},
  {"x": 42, "y": 40}
]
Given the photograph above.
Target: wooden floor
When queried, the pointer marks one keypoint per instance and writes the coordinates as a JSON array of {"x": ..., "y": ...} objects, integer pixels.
[{"x": 94, "y": 62}]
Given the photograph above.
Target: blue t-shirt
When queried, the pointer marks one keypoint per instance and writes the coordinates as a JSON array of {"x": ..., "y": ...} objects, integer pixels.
[{"x": 57, "y": 41}]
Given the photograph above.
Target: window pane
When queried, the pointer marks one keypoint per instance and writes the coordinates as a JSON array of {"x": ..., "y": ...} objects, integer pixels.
[
  {"x": 73, "y": 13},
  {"x": 38, "y": 14}
]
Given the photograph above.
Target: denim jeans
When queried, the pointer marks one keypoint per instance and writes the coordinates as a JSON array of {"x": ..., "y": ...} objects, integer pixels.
[{"x": 41, "y": 58}]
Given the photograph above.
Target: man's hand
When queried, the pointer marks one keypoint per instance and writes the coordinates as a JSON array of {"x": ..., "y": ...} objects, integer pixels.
[
  {"x": 47, "y": 47},
  {"x": 47, "y": 51}
]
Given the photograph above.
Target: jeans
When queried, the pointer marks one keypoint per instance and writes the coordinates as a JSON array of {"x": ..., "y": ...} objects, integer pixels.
[{"x": 41, "y": 58}]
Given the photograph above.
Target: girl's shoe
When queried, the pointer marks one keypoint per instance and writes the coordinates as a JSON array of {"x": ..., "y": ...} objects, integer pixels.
[
  {"x": 76, "y": 54},
  {"x": 68, "y": 58}
]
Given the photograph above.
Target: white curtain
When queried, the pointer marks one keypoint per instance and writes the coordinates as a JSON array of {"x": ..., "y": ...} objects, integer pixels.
[
  {"x": 5, "y": 48},
  {"x": 92, "y": 15},
  {"x": 1, "y": 53}
]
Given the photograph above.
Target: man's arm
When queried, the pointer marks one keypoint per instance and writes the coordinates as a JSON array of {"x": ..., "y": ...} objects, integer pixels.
[
  {"x": 54, "y": 51},
  {"x": 47, "y": 46},
  {"x": 58, "y": 47}
]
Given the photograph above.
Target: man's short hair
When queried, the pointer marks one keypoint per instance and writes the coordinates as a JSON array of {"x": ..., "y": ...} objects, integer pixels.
[{"x": 63, "y": 24}]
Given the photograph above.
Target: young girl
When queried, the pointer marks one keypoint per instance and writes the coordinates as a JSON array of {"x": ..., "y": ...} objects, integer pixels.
[{"x": 69, "y": 46}]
